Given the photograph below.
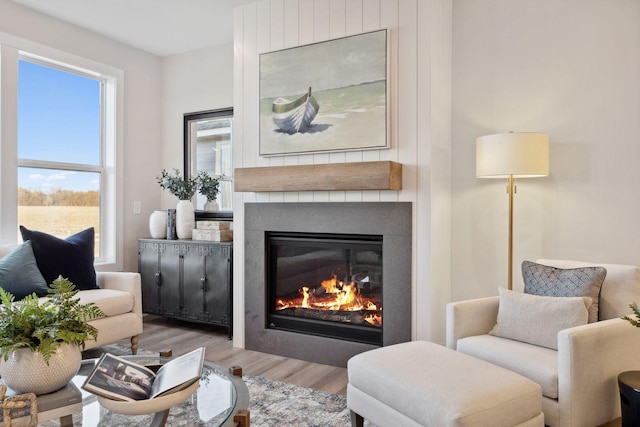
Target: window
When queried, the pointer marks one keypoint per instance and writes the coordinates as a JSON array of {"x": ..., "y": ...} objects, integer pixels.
[
  {"x": 59, "y": 149},
  {"x": 60, "y": 146}
]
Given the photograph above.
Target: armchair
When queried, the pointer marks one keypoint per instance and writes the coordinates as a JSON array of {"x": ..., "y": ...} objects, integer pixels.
[{"x": 578, "y": 381}]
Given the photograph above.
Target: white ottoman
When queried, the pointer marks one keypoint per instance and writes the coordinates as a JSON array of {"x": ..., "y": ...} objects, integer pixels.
[{"x": 420, "y": 383}]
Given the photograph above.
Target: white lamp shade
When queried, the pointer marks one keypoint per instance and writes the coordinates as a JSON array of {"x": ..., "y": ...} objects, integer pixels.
[{"x": 521, "y": 154}]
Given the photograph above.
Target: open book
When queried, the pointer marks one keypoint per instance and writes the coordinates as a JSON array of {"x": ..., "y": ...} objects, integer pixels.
[{"x": 120, "y": 379}]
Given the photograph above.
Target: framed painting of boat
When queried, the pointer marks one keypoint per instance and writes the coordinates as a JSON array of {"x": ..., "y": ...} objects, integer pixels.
[{"x": 324, "y": 97}]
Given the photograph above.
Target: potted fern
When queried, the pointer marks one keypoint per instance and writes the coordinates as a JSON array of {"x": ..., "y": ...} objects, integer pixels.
[
  {"x": 41, "y": 339},
  {"x": 635, "y": 321}
]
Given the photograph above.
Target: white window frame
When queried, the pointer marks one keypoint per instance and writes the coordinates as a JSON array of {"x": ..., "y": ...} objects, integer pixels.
[{"x": 13, "y": 49}]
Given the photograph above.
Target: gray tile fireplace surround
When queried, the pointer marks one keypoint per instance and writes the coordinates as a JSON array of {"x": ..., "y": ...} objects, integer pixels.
[{"x": 391, "y": 220}]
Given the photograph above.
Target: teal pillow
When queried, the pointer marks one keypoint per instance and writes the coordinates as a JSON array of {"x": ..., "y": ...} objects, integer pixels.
[{"x": 19, "y": 273}]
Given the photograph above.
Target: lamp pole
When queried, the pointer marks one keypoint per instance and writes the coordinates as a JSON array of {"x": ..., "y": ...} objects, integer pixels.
[{"x": 511, "y": 189}]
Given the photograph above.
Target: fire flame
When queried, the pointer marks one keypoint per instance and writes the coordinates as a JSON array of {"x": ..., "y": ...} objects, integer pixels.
[
  {"x": 335, "y": 295},
  {"x": 331, "y": 285},
  {"x": 374, "y": 319}
]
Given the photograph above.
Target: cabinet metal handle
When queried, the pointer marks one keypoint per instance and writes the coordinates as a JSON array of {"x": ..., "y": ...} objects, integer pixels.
[
  {"x": 157, "y": 278},
  {"x": 203, "y": 283}
]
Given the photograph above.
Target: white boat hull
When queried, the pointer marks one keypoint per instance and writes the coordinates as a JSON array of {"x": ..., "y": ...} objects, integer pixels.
[{"x": 293, "y": 116}]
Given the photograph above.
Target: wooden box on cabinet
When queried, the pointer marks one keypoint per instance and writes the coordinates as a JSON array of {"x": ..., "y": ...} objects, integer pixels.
[{"x": 188, "y": 280}]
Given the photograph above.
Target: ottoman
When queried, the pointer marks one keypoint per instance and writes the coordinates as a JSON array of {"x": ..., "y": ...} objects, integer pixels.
[{"x": 420, "y": 383}]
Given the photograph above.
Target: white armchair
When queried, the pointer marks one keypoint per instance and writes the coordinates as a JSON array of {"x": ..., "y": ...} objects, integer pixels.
[
  {"x": 579, "y": 380},
  {"x": 120, "y": 297}
]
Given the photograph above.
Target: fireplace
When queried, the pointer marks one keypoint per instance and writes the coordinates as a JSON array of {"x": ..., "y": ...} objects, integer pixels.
[
  {"x": 364, "y": 245},
  {"x": 325, "y": 284}
]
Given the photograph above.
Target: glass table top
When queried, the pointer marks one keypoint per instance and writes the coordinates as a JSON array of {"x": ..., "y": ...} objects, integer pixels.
[{"x": 219, "y": 396}]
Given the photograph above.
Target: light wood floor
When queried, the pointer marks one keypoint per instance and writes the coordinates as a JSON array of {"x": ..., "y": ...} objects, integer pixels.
[{"x": 161, "y": 333}]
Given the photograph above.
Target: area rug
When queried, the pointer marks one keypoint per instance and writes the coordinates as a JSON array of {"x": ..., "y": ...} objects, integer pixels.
[{"x": 276, "y": 403}]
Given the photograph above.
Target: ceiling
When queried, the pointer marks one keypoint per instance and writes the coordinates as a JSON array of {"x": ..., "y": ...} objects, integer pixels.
[{"x": 160, "y": 27}]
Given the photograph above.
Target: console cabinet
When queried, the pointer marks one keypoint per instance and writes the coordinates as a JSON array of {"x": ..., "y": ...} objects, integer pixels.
[{"x": 188, "y": 280}]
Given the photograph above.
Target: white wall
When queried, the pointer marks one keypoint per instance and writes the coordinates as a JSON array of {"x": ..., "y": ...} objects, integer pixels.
[
  {"x": 567, "y": 68},
  {"x": 195, "y": 81},
  {"x": 142, "y": 133},
  {"x": 420, "y": 126}
]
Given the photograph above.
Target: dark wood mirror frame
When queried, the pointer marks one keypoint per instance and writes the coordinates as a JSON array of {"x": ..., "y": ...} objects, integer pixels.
[{"x": 188, "y": 118}]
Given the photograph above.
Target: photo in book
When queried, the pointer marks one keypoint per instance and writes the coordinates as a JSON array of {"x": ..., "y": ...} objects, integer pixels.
[{"x": 121, "y": 379}]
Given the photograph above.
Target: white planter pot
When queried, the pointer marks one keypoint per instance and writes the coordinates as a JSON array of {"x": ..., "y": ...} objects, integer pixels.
[
  {"x": 26, "y": 371},
  {"x": 158, "y": 224},
  {"x": 185, "y": 219},
  {"x": 211, "y": 206}
]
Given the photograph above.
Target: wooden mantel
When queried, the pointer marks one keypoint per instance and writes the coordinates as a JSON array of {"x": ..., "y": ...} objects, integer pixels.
[{"x": 382, "y": 175}]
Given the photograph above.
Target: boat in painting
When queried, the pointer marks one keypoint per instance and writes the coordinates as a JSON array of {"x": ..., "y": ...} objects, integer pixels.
[{"x": 293, "y": 116}]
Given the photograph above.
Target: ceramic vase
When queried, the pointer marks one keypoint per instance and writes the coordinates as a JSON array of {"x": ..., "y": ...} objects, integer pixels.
[
  {"x": 185, "y": 219},
  {"x": 211, "y": 206},
  {"x": 26, "y": 371},
  {"x": 158, "y": 224}
]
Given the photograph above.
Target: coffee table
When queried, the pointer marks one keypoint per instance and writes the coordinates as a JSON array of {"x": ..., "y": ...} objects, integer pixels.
[{"x": 221, "y": 397}]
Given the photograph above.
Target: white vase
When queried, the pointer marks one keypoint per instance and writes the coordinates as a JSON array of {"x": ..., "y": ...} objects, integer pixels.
[
  {"x": 211, "y": 206},
  {"x": 26, "y": 371},
  {"x": 185, "y": 219},
  {"x": 158, "y": 224}
]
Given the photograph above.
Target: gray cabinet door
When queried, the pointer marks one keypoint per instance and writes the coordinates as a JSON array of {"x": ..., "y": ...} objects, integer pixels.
[
  {"x": 170, "y": 278},
  {"x": 159, "y": 267},
  {"x": 149, "y": 269},
  {"x": 206, "y": 283}
]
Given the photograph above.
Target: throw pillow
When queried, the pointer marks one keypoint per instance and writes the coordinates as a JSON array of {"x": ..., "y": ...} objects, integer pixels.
[
  {"x": 71, "y": 258},
  {"x": 550, "y": 281},
  {"x": 537, "y": 319},
  {"x": 19, "y": 273}
]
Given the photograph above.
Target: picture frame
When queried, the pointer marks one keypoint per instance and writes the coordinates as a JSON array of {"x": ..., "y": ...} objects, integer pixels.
[
  {"x": 207, "y": 141},
  {"x": 325, "y": 97}
]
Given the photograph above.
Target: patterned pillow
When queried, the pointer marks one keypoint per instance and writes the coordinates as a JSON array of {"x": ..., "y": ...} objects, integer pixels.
[{"x": 557, "y": 282}]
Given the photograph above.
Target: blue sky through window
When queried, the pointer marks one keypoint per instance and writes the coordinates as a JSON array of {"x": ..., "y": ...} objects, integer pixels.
[{"x": 58, "y": 120}]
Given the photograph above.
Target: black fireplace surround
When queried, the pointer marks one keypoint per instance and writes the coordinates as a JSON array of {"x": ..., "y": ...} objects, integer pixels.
[
  {"x": 369, "y": 229},
  {"x": 325, "y": 284}
]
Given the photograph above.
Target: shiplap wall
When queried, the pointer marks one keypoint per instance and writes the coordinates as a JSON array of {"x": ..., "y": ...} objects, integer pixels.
[{"x": 419, "y": 105}]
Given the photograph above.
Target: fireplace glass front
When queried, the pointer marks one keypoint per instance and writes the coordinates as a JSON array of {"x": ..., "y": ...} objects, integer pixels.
[{"x": 325, "y": 284}]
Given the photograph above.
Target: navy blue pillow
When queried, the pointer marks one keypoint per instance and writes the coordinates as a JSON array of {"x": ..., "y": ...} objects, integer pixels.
[
  {"x": 71, "y": 258},
  {"x": 19, "y": 274}
]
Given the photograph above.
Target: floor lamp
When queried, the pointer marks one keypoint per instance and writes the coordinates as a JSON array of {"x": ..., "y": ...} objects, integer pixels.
[{"x": 512, "y": 155}]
